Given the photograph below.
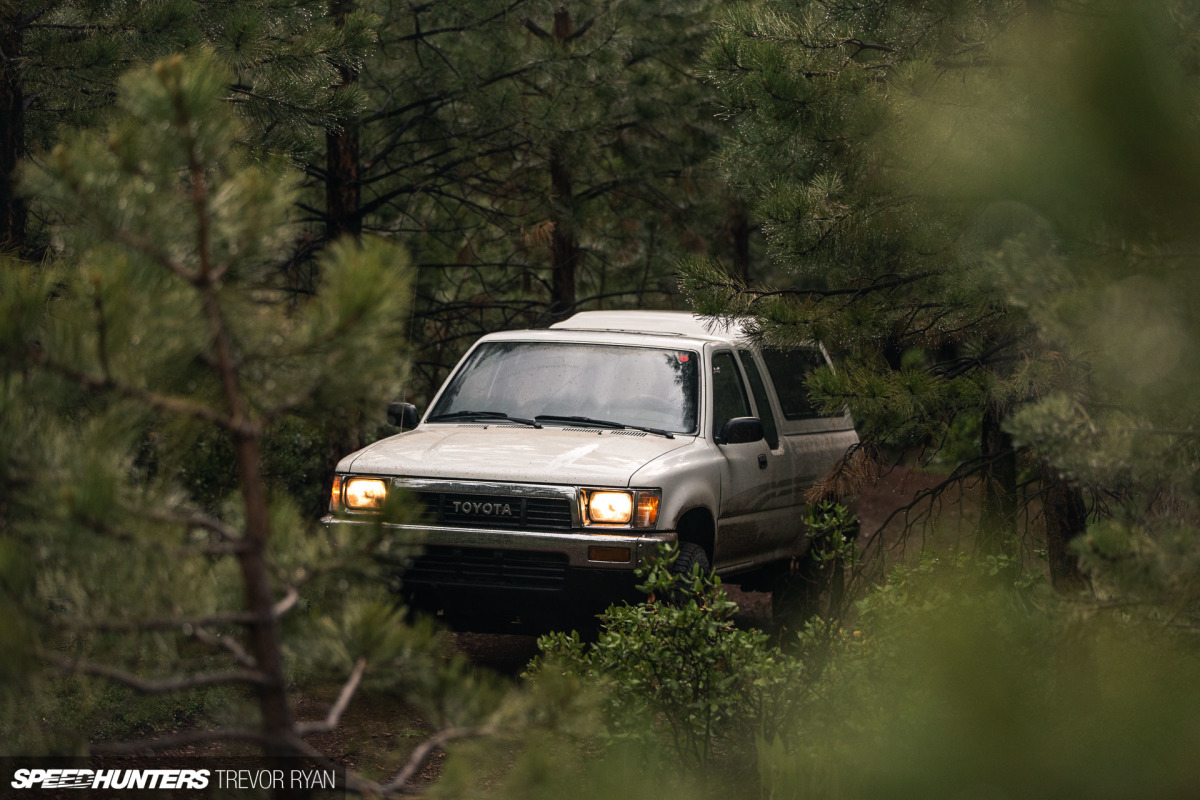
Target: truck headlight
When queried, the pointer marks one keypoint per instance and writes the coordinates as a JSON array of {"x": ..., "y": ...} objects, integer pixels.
[
  {"x": 638, "y": 509},
  {"x": 610, "y": 508},
  {"x": 364, "y": 494}
]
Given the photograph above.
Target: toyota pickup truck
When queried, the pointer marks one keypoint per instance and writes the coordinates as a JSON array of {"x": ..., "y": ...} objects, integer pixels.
[{"x": 552, "y": 463}]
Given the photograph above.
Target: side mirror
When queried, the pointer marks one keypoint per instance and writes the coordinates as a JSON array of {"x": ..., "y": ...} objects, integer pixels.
[
  {"x": 741, "y": 430},
  {"x": 403, "y": 415}
]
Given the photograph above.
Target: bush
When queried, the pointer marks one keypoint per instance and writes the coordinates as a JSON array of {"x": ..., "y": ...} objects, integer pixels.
[{"x": 676, "y": 666}]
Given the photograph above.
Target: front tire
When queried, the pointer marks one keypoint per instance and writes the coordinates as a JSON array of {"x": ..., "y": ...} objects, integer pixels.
[
  {"x": 691, "y": 561},
  {"x": 690, "y": 555}
]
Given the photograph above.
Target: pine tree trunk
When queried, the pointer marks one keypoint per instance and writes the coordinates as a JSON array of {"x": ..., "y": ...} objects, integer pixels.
[
  {"x": 566, "y": 254},
  {"x": 739, "y": 230},
  {"x": 998, "y": 525},
  {"x": 264, "y": 639},
  {"x": 1066, "y": 518},
  {"x": 13, "y": 213},
  {"x": 342, "y": 193},
  {"x": 343, "y": 215},
  {"x": 263, "y": 634}
]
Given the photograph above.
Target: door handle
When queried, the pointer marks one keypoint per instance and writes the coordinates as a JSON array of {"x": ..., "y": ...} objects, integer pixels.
[{"x": 762, "y": 460}]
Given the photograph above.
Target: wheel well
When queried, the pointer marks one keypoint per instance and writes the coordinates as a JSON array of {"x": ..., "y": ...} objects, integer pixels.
[{"x": 697, "y": 526}]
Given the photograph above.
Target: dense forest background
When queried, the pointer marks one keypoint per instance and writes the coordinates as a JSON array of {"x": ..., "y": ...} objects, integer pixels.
[{"x": 231, "y": 232}]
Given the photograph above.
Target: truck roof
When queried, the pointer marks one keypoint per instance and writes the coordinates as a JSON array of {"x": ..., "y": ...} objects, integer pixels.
[{"x": 671, "y": 323}]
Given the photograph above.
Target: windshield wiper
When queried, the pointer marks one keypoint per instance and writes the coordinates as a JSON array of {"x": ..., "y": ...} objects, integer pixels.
[
  {"x": 484, "y": 415},
  {"x": 603, "y": 423}
]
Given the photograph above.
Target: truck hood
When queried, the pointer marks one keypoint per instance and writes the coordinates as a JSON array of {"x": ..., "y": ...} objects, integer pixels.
[{"x": 505, "y": 452}]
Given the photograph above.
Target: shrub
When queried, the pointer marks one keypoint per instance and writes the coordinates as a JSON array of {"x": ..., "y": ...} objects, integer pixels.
[{"x": 676, "y": 666}]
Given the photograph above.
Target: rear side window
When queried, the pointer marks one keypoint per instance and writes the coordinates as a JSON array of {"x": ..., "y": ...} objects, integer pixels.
[
  {"x": 759, "y": 390},
  {"x": 789, "y": 369}
]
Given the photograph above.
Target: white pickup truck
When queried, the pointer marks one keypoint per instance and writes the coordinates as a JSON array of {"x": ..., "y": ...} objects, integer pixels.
[{"x": 554, "y": 462}]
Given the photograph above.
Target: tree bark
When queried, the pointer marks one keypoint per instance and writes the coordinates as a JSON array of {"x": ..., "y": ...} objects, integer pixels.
[
  {"x": 565, "y": 252},
  {"x": 1066, "y": 518},
  {"x": 263, "y": 633},
  {"x": 998, "y": 525},
  {"x": 13, "y": 213},
  {"x": 739, "y": 231},
  {"x": 343, "y": 191}
]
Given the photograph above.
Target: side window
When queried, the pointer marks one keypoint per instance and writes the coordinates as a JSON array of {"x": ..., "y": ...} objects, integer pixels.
[
  {"x": 759, "y": 390},
  {"x": 789, "y": 369},
  {"x": 729, "y": 397}
]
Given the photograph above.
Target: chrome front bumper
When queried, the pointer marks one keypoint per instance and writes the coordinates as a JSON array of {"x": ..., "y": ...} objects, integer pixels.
[{"x": 575, "y": 545}]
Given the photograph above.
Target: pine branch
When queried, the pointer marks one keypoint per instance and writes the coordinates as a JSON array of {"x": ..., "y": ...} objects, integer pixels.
[
  {"x": 425, "y": 749},
  {"x": 287, "y": 603},
  {"x": 963, "y": 471},
  {"x": 334, "y": 717},
  {"x": 196, "y": 519},
  {"x": 226, "y": 643},
  {"x": 861, "y": 45},
  {"x": 187, "y": 624},
  {"x": 168, "y": 403},
  {"x": 881, "y": 284},
  {"x": 143, "y": 686}
]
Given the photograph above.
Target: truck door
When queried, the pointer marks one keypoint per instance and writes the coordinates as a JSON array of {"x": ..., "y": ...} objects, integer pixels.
[
  {"x": 752, "y": 507},
  {"x": 785, "y": 492}
]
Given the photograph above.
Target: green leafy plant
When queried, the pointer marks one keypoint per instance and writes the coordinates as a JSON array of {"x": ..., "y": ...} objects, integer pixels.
[
  {"x": 815, "y": 585},
  {"x": 679, "y": 662}
]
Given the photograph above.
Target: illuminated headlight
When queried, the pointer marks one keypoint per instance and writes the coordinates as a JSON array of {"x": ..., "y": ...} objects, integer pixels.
[
  {"x": 610, "y": 507},
  {"x": 364, "y": 494}
]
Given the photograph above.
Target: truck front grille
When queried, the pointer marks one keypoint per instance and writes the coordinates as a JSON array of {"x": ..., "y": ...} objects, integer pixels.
[
  {"x": 498, "y": 511},
  {"x": 494, "y": 569}
]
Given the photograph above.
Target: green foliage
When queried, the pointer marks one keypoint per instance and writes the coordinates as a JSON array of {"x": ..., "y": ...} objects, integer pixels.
[
  {"x": 832, "y": 529},
  {"x": 160, "y": 327},
  {"x": 976, "y": 230},
  {"x": 280, "y": 59},
  {"x": 681, "y": 662},
  {"x": 874, "y": 271},
  {"x": 522, "y": 146},
  {"x": 958, "y": 676}
]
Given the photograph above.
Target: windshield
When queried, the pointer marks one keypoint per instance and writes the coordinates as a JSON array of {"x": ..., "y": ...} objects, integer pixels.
[{"x": 635, "y": 386}]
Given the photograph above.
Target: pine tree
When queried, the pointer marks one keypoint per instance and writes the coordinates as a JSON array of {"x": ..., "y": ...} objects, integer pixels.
[
  {"x": 891, "y": 278},
  {"x": 157, "y": 324},
  {"x": 536, "y": 156},
  {"x": 61, "y": 60},
  {"x": 1095, "y": 170},
  {"x": 986, "y": 209}
]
